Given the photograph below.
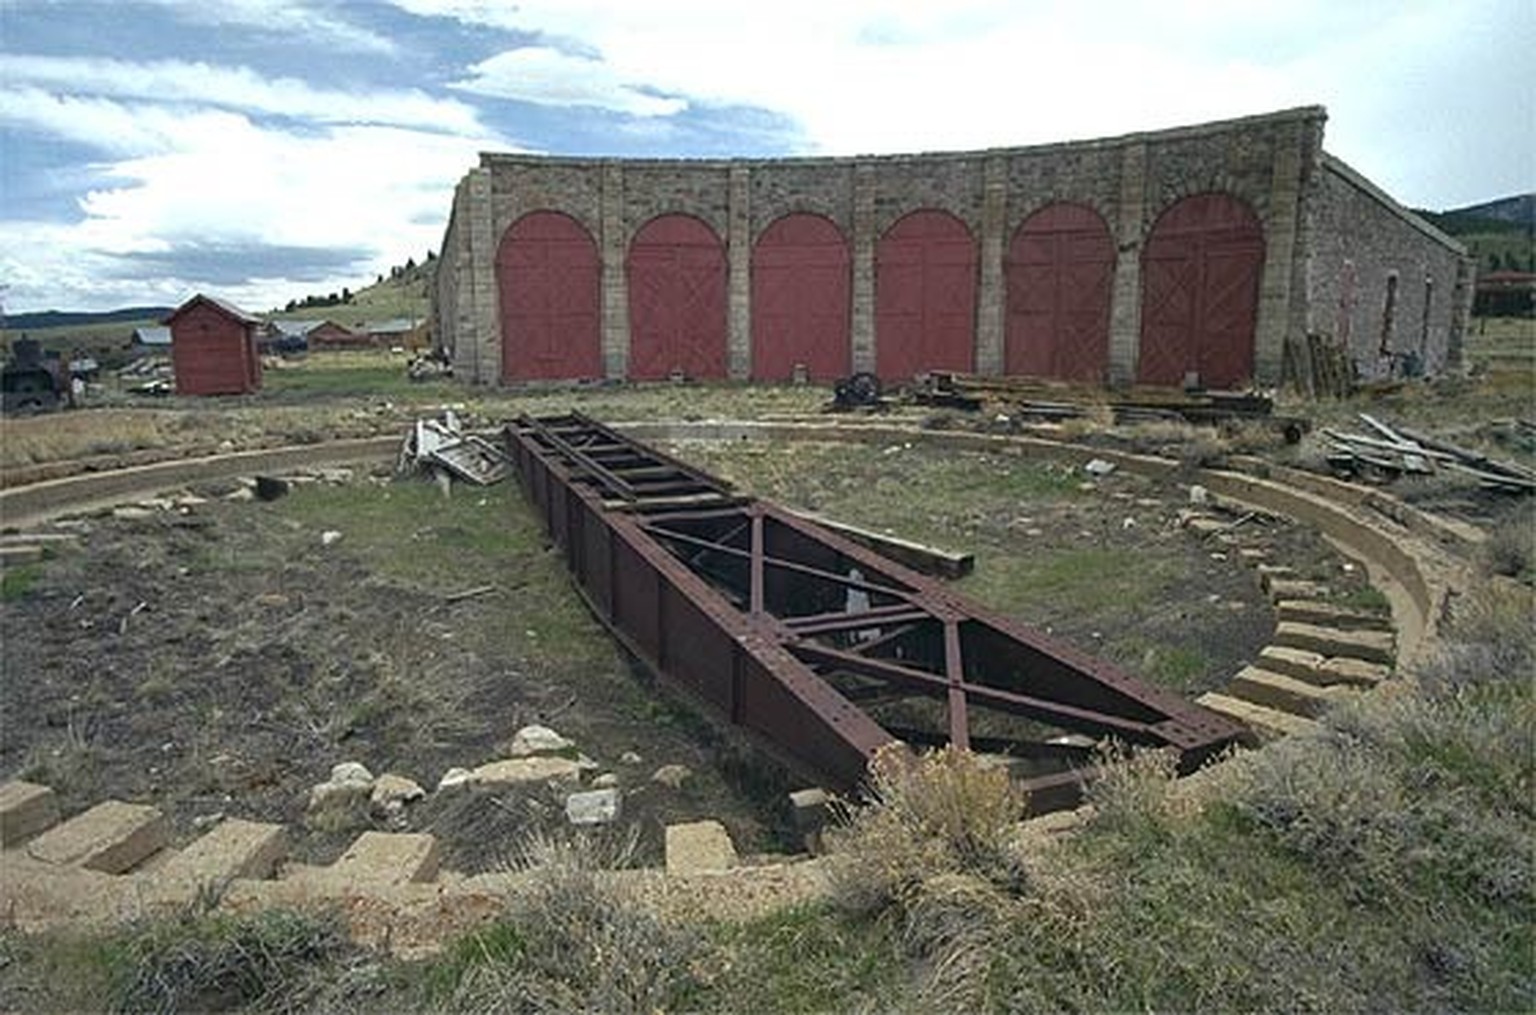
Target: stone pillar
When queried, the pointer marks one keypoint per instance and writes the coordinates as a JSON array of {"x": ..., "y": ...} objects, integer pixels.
[
  {"x": 484, "y": 331},
  {"x": 738, "y": 246},
  {"x": 1276, "y": 319},
  {"x": 863, "y": 324},
  {"x": 615, "y": 285},
  {"x": 1125, "y": 305},
  {"x": 991, "y": 296}
]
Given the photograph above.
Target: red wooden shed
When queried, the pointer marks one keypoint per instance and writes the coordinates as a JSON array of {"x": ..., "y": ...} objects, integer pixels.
[{"x": 213, "y": 348}]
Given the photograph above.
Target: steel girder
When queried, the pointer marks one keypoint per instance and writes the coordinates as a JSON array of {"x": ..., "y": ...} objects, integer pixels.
[{"x": 822, "y": 648}]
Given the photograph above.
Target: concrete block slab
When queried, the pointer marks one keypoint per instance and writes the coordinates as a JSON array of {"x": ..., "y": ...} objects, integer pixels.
[
  {"x": 1353, "y": 671},
  {"x": 26, "y": 808},
  {"x": 1294, "y": 588},
  {"x": 1296, "y": 663},
  {"x": 1266, "y": 723},
  {"x": 387, "y": 858},
  {"x": 17, "y": 554},
  {"x": 1286, "y": 694},
  {"x": 699, "y": 847},
  {"x": 113, "y": 837},
  {"x": 234, "y": 848},
  {"x": 1371, "y": 646},
  {"x": 1307, "y": 611}
]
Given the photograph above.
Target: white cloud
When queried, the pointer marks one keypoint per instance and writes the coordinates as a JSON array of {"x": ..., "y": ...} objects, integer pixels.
[
  {"x": 176, "y": 81},
  {"x": 549, "y": 77},
  {"x": 891, "y": 76},
  {"x": 222, "y": 181},
  {"x": 293, "y": 19}
]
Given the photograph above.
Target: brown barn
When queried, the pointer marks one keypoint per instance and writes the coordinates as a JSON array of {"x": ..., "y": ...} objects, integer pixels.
[{"x": 213, "y": 348}]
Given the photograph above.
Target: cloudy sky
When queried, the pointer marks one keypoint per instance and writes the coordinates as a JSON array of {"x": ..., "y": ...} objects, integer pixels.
[{"x": 267, "y": 149}]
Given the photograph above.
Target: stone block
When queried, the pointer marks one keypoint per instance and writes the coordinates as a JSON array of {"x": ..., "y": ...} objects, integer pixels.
[
  {"x": 386, "y": 858},
  {"x": 1287, "y": 694},
  {"x": 1305, "y": 611},
  {"x": 1371, "y": 646},
  {"x": 1299, "y": 664},
  {"x": 1266, "y": 723},
  {"x": 25, "y": 809},
  {"x": 1353, "y": 671},
  {"x": 112, "y": 837},
  {"x": 234, "y": 848},
  {"x": 594, "y": 807},
  {"x": 699, "y": 847},
  {"x": 1294, "y": 588},
  {"x": 498, "y": 775}
]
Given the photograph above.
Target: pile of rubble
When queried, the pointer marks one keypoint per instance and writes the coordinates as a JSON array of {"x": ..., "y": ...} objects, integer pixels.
[{"x": 1388, "y": 452}]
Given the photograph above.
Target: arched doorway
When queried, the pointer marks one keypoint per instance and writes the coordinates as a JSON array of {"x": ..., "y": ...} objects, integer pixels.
[
  {"x": 547, "y": 277},
  {"x": 1059, "y": 271},
  {"x": 800, "y": 300},
  {"x": 925, "y": 296},
  {"x": 1200, "y": 273},
  {"x": 677, "y": 276}
]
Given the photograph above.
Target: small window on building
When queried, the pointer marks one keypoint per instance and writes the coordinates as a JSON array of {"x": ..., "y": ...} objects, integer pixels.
[{"x": 1388, "y": 314}]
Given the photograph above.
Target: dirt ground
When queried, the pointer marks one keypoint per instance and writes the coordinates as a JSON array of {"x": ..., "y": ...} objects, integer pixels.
[{"x": 220, "y": 658}]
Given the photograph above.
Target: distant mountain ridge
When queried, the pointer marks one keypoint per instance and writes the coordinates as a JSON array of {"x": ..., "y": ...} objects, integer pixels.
[
  {"x": 40, "y": 319},
  {"x": 1519, "y": 210}
]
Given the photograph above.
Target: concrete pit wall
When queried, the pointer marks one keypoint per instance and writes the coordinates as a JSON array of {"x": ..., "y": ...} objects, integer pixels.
[{"x": 1273, "y": 164}]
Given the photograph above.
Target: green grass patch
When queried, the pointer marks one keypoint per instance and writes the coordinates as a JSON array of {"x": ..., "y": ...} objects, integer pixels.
[{"x": 16, "y": 582}]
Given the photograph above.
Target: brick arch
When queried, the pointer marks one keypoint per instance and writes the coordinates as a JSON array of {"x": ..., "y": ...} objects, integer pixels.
[
  {"x": 548, "y": 282},
  {"x": 801, "y": 298},
  {"x": 1058, "y": 273},
  {"x": 925, "y": 296},
  {"x": 677, "y": 283},
  {"x": 1200, "y": 273}
]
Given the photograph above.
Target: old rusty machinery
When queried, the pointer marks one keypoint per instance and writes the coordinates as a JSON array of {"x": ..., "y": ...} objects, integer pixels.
[{"x": 823, "y": 649}]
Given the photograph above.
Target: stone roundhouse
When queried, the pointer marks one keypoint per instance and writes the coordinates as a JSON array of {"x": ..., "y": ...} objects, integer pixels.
[{"x": 1207, "y": 254}]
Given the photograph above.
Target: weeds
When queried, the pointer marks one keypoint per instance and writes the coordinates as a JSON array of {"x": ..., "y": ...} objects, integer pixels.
[
  {"x": 570, "y": 943},
  {"x": 212, "y": 963}
]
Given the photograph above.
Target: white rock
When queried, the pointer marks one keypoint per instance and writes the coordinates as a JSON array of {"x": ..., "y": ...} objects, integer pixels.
[
  {"x": 1099, "y": 467},
  {"x": 329, "y": 536},
  {"x": 392, "y": 791},
  {"x": 630, "y": 758},
  {"x": 352, "y": 772},
  {"x": 595, "y": 807},
  {"x": 526, "y": 771},
  {"x": 606, "y": 780},
  {"x": 532, "y": 740},
  {"x": 1199, "y": 495},
  {"x": 672, "y": 776},
  {"x": 337, "y": 794},
  {"x": 455, "y": 778},
  {"x": 244, "y": 493}
]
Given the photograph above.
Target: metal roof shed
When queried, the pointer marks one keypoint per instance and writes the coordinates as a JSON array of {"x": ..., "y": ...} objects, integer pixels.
[{"x": 213, "y": 348}]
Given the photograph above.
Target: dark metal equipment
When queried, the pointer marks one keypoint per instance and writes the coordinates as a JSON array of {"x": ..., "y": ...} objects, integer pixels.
[{"x": 824, "y": 649}]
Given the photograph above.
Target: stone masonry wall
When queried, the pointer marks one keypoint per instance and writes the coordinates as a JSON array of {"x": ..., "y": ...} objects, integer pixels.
[
  {"x": 1274, "y": 162},
  {"x": 1362, "y": 241}
]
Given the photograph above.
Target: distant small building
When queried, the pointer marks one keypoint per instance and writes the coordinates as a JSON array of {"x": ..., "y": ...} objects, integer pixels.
[
  {"x": 286, "y": 336},
  {"x": 404, "y": 332},
  {"x": 150, "y": 342},
  {"x": 1505, "y": 294},
  {"x": 213, "y": 348}
]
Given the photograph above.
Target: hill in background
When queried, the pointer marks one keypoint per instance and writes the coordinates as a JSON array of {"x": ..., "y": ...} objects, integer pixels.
[{"x": 1500, "y": 234}]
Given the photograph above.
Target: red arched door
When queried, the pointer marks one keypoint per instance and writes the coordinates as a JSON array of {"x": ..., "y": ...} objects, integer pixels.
[
  {"x": 1200, "y": 292},
  {"x": 925, "y": 296},
  {"x": 1059, "y": 269},
  {"x": 800, "y": 300},
  {"x": 676, "y": 277},
  {"x": 547, "y": 273}
]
